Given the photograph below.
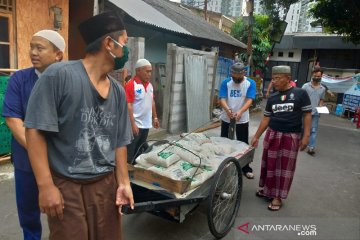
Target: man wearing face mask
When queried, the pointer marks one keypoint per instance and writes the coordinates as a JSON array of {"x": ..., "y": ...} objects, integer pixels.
[
  {"x": 77, "y": 129},
  {"x": 316, "y": 92},
  {"x": 46, "y": 48},
  {"x": 236, "y": 96}
]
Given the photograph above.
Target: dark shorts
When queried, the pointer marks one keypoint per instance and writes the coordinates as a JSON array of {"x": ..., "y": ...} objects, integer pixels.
[{"x": 90, "y": 211}]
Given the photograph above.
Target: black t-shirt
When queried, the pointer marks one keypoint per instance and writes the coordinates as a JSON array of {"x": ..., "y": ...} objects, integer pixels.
[{"x": 286, "y": 108}]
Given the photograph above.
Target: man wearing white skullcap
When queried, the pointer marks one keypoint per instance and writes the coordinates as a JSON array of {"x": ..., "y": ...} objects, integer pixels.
[
  {"x": 141, "y": 105},
  {"x": 46, "y": 47},
  {"x": 53, "y": 37}
]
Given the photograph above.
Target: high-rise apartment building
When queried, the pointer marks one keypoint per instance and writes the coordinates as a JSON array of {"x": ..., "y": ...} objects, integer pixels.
[
  {"x": 236, "y": 8},
  {"x": 225, "y": 7},
  {"x": 292, "y": 18},
  {"x": 298, "y": 18},
  {"x": 258, "y": 7},
  {"x": 305, "y": 19},
  {"x": 214, "y": 5}
]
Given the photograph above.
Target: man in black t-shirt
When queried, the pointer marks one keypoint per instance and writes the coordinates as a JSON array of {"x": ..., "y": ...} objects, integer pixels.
[{"x": 284, "y": 114}]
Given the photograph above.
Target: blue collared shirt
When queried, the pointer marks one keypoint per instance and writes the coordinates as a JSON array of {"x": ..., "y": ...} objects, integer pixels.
[{"x": 16, "y": 99}]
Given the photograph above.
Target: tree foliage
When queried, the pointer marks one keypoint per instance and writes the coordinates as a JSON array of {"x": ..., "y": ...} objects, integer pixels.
[
  {"x": 339, "y": 17},
  {"x": 275, "y": 7},
  {"x": 260, "y": 39},
  {"x": 277, "y": 10}
]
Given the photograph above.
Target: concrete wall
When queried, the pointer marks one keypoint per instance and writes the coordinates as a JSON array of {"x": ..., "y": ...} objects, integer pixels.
[
  {"x": 136, "y": 51},
  {"x": 286, "y": 55},
  {"x": 174, "y": 111}
]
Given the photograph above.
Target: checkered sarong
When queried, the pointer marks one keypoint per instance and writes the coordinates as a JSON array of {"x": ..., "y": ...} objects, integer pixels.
[{"x": 278, "y": 163}]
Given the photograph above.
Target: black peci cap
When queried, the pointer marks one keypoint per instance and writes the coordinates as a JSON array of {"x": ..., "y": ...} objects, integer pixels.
[{"x": 100, "y": 25}]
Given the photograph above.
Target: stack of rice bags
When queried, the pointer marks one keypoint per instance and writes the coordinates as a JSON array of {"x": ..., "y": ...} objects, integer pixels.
[{"x": 175, "y": 161}]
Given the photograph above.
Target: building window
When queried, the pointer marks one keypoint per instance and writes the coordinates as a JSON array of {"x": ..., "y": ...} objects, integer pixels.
[
  {"x": 6, "y": 38},
  {"x": 6, "y": 5},
  {"x": 6, "y": 34},
  {"x": 280, "y": 54},
  {"x": 291, "y": 54}
]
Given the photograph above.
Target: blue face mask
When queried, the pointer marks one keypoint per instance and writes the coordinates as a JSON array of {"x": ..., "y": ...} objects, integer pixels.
[{"x": 120, "y": 61}]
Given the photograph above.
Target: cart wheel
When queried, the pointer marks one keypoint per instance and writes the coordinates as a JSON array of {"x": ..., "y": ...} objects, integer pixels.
[{"x": 224, "y": 197}]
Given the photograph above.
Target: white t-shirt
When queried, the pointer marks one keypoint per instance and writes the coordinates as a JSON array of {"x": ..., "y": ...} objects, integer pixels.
[
  {"x": 141, "y": 96},
  {"x": 235, "y": 95}
]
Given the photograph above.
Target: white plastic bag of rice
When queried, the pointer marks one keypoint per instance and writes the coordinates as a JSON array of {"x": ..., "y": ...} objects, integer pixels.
[
  {"x": 213, "y": 148},
  {"x": 163, "y": 158},
  {"x": 141, "y": 162},
  {"x": 226, "y": 149},
  {"x": 198, "y": 159},
  {"x": 181, "y": 170},
  {"x": 190, "y": 144},
  {"x": 227, "y": 146},
  {"x": 200, "y": 138},
  {"x": 214, "y": 162},
  {"x": 201, "y": 177}
]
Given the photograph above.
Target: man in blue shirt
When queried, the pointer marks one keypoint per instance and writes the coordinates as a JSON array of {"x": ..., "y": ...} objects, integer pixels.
[
  {"x": 46, "y": 47},
  {"x": 236, "y": 96}
]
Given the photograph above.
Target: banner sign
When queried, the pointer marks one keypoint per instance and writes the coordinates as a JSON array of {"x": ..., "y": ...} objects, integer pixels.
[
  {"x": 352, "y": 95},
  {"x": 338, "y": 84}
]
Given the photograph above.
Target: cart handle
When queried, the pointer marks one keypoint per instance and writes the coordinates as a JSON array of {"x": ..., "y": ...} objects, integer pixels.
[{"x": 158, "y": 205}]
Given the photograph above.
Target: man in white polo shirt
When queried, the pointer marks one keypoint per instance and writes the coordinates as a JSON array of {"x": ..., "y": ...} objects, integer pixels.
[{"x": 141, "y": 105}]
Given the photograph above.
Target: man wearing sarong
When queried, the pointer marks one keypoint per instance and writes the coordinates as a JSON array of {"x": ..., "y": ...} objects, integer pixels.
[{"x": 285, "y": 112}]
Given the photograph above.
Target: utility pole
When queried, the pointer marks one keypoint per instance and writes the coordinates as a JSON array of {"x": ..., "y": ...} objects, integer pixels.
[
  {"x": 250, "y": 10},
  {"x": 205, "y": 9}
]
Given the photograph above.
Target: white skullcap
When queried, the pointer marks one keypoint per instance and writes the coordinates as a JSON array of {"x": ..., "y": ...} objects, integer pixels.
[
  {"x": 53, "y": 37},
  {"x": 281, "y": 70},
  {"x": 142, "y": 63}
]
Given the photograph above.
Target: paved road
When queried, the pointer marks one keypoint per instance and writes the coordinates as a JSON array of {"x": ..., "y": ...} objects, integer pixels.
[{"x": 325, "y": 197}]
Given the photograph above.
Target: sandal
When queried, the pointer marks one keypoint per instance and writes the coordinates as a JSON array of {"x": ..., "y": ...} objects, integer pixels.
[
  {"x": 275, "y": 207},
  {"x": 260, "y": 193},
  {"x": 249, "y": 175}
]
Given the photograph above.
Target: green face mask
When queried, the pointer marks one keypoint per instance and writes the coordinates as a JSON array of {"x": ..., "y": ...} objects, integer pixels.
[{"x": 120, "y": 61}]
